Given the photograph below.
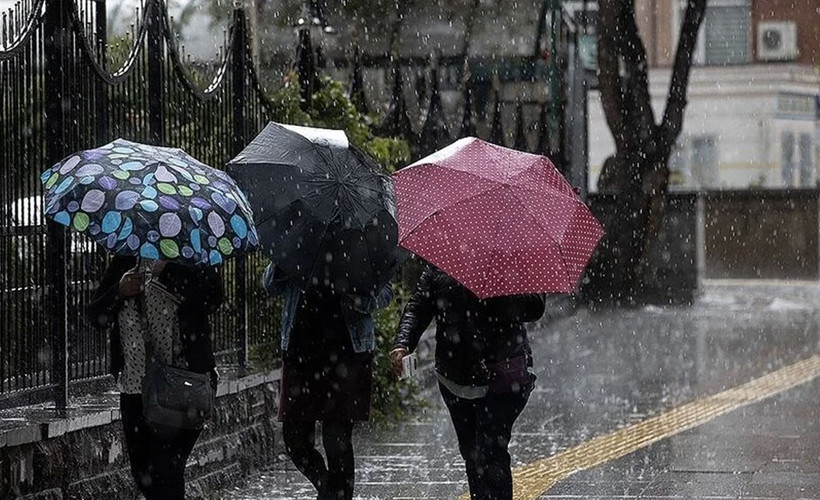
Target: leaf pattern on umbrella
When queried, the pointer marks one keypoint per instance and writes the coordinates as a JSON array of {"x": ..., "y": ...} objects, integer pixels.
[{"x": 150, "y": 201}]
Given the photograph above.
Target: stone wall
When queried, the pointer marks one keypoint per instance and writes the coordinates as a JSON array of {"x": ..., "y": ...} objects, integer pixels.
[
  {"x": 769, "y": 234},
  {"x": 672, "y": 276},
  {"x": 82, "y": 456},
  {"x": 759, "y": 234}
]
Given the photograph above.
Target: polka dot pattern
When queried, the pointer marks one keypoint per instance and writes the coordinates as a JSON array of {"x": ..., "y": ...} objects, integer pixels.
[
  {"x": 152, "y": 202},
  {"x": 499, "y": 221},
  {"x": 159, "y": 327}
]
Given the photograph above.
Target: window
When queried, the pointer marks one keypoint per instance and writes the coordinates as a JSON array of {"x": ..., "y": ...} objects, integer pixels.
[
  {"x": 806, "y": 166},
  {"x": 703, "y": 161},
  {"x": 787, "y": 158},
  {"x": 724, "y": 37},
  {"x": 679, "y": 174}
]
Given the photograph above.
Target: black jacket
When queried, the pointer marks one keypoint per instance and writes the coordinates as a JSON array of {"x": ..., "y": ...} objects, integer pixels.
[
  {"x": 201, "y": 292},
  {"x": 470, "y": 332}
]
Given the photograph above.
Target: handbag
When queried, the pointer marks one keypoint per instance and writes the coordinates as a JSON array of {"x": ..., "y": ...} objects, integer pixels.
[
  {"x": 175, "y": 397},
  {"x": 172, "y": 397},
  {"x": 509, "y": 376}
]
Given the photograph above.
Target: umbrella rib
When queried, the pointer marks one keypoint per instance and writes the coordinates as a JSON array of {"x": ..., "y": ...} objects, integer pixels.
[
  {"x": 454, "y": 203},
  {"x": 496, "y": 251},
  {"x": 547, "y": 233},
  {"x": 501, "y": 224},
  {"x": 465, "y": 172},
  {"x": 529, "y": 187},
  {"x": 576, "y": 202}
]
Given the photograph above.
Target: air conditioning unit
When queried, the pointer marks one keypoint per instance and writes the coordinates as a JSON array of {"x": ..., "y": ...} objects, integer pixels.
[{"x": 777, "y": 41}]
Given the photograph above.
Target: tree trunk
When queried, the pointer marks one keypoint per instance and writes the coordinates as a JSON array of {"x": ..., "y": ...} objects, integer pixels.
[{"x": 635, "y": 180}]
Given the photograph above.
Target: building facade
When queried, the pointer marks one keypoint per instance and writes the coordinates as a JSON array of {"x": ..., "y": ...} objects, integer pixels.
[{"x": 753, "y": 114}]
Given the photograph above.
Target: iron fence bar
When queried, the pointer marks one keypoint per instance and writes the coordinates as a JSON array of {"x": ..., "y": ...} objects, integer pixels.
[
  {"x": 39, "y": 42},
  {"x": 17, "y": 352},
  {"x": 239, "y": 62},
  {"x": 56, "y": 40},
  {"x": 102, "y": 107},
  {"x": 156, "y": 121},
  {"x": 5, "y": 251}
]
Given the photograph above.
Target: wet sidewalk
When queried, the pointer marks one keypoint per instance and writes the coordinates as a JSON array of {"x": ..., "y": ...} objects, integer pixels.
[{"x": 633, "y": 403}]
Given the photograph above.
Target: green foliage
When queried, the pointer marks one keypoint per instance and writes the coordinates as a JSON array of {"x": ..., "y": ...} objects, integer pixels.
[
  {"x": 285, "y": 103},
  {"x": 389, "y": 152},
  {"x": 331, "y": 108},
  {"x": 392, "y": 398}
]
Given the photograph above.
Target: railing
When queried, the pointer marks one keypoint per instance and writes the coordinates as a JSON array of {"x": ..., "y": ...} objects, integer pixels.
[
  {"x": 58, "y": 95},
  {"x": 61, "y": 90}
]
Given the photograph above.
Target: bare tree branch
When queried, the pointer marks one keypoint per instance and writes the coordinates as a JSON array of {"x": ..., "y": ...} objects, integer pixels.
[
  {"x": 637, "y": 67},
  {"x": 609, "y": 79},
  {"x": 676, "y": 100}
]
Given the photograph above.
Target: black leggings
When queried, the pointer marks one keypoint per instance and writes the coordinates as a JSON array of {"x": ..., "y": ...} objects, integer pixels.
[
  {"x": 484, "y": 427},
  {"x": 157, "y": 455},
  {"x": 333, "y": 481}
]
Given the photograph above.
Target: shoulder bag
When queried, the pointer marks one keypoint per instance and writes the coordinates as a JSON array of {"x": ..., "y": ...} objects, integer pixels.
[
  {"x": 175, "y": 397},
  {"x": 509, "y": 376}
]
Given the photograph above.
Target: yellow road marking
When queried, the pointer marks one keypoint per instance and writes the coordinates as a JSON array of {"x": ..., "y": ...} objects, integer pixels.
[{"x": 532, "y": 480}]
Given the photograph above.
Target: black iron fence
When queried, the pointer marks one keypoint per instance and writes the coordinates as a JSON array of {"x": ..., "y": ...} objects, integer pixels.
[
  {"x": 60, "y": 91},
  {"x": 65, "y": 87}
]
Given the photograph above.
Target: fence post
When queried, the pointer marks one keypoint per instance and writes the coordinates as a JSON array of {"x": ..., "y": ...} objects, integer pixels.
[
  {"x": 467, "y": 121},
  {"x": 305, "y": 68},
  {"x": 57, "y": 33},
  {"x": 100, "y": 95},
  {"x": 497, "y": 127},
  {"x": 396, "y": 123},
  {"x": 156, "y": 118},
  {"x": 434, "y": 134},
  {"x": 239, "y": 72},
  {"x": 356, "y": 93}
]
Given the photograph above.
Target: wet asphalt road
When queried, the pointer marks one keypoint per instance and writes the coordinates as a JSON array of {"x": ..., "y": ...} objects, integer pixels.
[{"x": 602, "y": 370}]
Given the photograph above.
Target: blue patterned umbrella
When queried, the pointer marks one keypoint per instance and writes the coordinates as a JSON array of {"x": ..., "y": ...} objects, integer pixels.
[{"x": 149, "y": 201}]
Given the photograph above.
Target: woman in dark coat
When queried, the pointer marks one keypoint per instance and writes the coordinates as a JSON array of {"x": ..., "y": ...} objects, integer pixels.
[
  {"x": 164, "y": 306},
  {"x": 482, "y": 364},
  {"x": 327, "y": 353}
]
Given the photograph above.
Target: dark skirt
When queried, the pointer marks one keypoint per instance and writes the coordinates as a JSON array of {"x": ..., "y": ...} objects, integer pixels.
[
  {"x": 322, "y": 377},
  {"x": 326, "y": 385}
]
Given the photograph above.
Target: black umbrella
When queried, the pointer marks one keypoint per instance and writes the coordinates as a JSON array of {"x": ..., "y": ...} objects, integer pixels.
[{"x": 324, "y": 210}]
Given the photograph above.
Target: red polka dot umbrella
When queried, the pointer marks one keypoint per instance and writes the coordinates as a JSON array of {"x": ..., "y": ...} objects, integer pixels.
[{"x": 499, "y": 221}]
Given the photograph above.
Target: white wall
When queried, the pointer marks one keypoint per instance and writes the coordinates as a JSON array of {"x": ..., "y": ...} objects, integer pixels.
[{"x": 738, "y": 106}]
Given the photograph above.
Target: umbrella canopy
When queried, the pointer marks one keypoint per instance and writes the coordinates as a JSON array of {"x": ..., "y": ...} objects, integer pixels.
[
  {"x": 499, "y": 221},
  {"x": 324, "y": 209},
  {"x": 149, "y": 201}
]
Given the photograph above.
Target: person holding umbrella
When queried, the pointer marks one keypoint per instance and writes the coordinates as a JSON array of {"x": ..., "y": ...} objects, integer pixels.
[
  {"x": 327, "y": 355},
  {"x": 482, "y": 363},
  {"x": 326, "y": 218},
  {"x": 162, "y": 307},
  {"x": 497, "y": 228},
  {"x": 168, "y": 219}
]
